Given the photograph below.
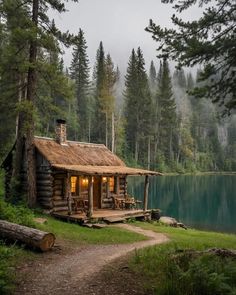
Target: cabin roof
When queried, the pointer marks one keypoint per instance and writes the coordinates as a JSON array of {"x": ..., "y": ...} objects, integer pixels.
[
  {"x": 104, "y": 170},
  {"x": 83, "y": 158},
  {"x": 76, "y": 153}
]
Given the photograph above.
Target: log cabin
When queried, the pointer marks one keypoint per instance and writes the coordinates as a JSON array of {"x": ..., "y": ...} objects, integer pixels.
[{"x": 74, "y": 177}]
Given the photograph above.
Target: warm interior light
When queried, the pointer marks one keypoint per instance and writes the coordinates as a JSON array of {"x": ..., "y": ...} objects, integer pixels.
[
  {"x": 104, "y": 179},
  {"x": 112, "y": 184},
  {"x": 73, "y": 181},
  {"x": 85, "y": 181}
]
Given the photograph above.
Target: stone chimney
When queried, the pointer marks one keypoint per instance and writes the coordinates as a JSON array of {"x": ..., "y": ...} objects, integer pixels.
[{"x": 61, "y": 132}]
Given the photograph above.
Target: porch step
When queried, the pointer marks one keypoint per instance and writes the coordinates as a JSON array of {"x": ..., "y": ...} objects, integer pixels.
[{"x": 114, "y": 219}]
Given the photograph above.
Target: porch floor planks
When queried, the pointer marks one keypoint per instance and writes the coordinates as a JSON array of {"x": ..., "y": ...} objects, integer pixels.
[{"x": 101, "y": 214}]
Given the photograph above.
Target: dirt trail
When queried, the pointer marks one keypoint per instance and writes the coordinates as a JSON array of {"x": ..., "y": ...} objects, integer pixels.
[{"x": 71, "y": 273}]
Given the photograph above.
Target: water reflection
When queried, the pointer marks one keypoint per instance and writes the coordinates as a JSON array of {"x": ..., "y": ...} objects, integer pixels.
[{"x": 205, "y": 202}]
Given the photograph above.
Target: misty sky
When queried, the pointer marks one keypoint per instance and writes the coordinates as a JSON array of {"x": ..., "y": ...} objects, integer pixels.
[{"x": 119, "y": 24}]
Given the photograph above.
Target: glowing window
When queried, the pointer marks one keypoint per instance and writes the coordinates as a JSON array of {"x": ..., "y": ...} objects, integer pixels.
[
  {"x": 73, "y": 182},
  {"x": 112, "y": 184},
  {"x": 83, "y": 184}
]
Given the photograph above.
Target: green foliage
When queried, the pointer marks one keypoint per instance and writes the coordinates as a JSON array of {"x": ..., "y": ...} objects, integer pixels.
[
  {"x": 6, "y": 275},
  {"x": 105, "y": 78},
  {"x": 79, "y": 72},
  {"x": 16, "y": 214},
  {"x": 182, "y": 274},
  {"x": 169, "y": 269},
  {"x": 209, "y": 41},
  {"x": 138, "y": 108}
]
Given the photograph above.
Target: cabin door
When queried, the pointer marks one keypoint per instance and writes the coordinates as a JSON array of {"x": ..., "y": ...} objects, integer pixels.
[{"x": 97, "y": 192}]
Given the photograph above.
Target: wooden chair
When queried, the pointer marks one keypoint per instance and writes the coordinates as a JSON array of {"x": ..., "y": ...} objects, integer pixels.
[
  {"x": 79, "y": 205},
  {"x": 130, "y": 202},
  {"x": 118, "y": 202}
]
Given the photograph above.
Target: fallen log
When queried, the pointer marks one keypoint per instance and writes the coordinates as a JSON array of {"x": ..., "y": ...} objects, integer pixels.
[{"x": 31, "y": 237}]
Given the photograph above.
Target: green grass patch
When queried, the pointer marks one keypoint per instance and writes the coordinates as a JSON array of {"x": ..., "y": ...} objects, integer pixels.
[
  {"x": 167, "y": 270},
  {"x": 10, "y": 257},
  {"x": 82, "y": 235},
  {"x": 192, "y": 238}
]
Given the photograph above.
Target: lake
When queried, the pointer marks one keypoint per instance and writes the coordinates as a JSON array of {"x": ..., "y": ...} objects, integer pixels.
[{"x": 201, "y": 201}]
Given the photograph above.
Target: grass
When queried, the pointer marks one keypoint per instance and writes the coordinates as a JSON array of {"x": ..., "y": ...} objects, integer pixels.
[
  {"x": 167, "y": 270},
  {"x": 10, "y": 257},
  {"x": 82, "y": 235},
  {"x": 192, "y": 238}
]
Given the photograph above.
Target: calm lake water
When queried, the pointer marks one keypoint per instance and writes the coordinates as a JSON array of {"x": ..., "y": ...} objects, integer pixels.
[{"x": 203, "y": 202}]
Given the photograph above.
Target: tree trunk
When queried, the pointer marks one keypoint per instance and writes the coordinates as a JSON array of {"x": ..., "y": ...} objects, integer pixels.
[
  {"x": 149, "y": 153},
  {"x": 30, "y": 96},
  {"x": 170, "y": 146},
  {"x": 19, "y": 136},
  {"x": 89, "y": 128},
  {"x": 106, "y": 130},
  {"x": 31, "y": 237},
  {"x": 112, "y": 133},
  {"x": 136, "y": 150}
]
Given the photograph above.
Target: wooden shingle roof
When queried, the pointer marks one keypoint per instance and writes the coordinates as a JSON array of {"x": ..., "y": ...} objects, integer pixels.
[
  {"x": 84, "y": 158},
  {"x": 76, "y": 153}
]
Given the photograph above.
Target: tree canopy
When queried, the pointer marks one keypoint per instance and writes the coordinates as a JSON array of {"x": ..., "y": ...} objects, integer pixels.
[{"x": 209, "y": 41}]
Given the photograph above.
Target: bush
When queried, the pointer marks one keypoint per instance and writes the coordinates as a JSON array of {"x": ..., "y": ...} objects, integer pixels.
[
  {"x": 6, "y": 272},
  {"x": 17, "y": 214},
  {"x": 188, "y": 274}
]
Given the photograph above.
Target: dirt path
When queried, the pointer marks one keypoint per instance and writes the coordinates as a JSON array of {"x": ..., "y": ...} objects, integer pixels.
[{"x": 71, "y": 273}]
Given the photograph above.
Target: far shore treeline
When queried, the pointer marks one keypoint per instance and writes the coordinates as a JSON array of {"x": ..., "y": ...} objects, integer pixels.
[{"x": 145, "y": 115}]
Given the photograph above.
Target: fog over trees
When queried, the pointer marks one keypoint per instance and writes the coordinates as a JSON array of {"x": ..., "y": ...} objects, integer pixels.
[{"x": 151, "y": 118}]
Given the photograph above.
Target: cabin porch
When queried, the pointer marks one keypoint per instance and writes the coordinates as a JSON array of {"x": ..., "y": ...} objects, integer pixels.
[{"x": 106, "y": 215}]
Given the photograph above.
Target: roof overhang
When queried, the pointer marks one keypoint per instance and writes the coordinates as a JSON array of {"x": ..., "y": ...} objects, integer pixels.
[{"x": 104, "y": 170}]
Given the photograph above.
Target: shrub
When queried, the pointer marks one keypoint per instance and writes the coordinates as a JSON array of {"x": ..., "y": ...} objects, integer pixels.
[
  {"x": 171, "y": 272},
  {"x": 6, "y": 272},
  {"x": 17, "y": 214}
]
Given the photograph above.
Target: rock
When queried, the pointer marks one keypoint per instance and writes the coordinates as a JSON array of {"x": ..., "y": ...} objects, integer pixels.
[
  {"x": 40, "y": 220},
  {"x": 99, "y": 225},
  {"x": 180, "y": 224},
  {"x": 89, "y": 225},
  {"x": 169, "y": 221}
]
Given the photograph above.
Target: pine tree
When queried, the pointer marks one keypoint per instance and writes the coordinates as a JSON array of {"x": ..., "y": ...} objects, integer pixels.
[
  {"x": 138, "y": 109},
  {"x": 167, "y": 114},
  {"x": 179, "y": 78},
  {"x": 152, "y": 77},
  {"x": 109, "y": 101},
  {"x": 33, "y": 31},
  {"x": 190, "y": 82},
  {"x": 79, "y": 72},
  {"x": 131, "y": 105},
  {"x": 98, "y": 128},
  {"x": 210, "y": 41}
]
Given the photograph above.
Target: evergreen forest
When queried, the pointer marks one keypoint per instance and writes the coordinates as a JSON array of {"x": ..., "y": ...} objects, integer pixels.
[{"x": 149, "y": 115}]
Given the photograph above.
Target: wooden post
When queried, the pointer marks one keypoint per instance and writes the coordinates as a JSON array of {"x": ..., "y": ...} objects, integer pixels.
[
  {"x": 125, "y": 187},
  {"x": 117, "y": 190},
  {"x": 68, "y": 194},
  {"x": 145, "y": 200},
  {"x": 108, "y": 187},
  {"x": 101, "y": 191},
  {"x": 90, "y": 197}
]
